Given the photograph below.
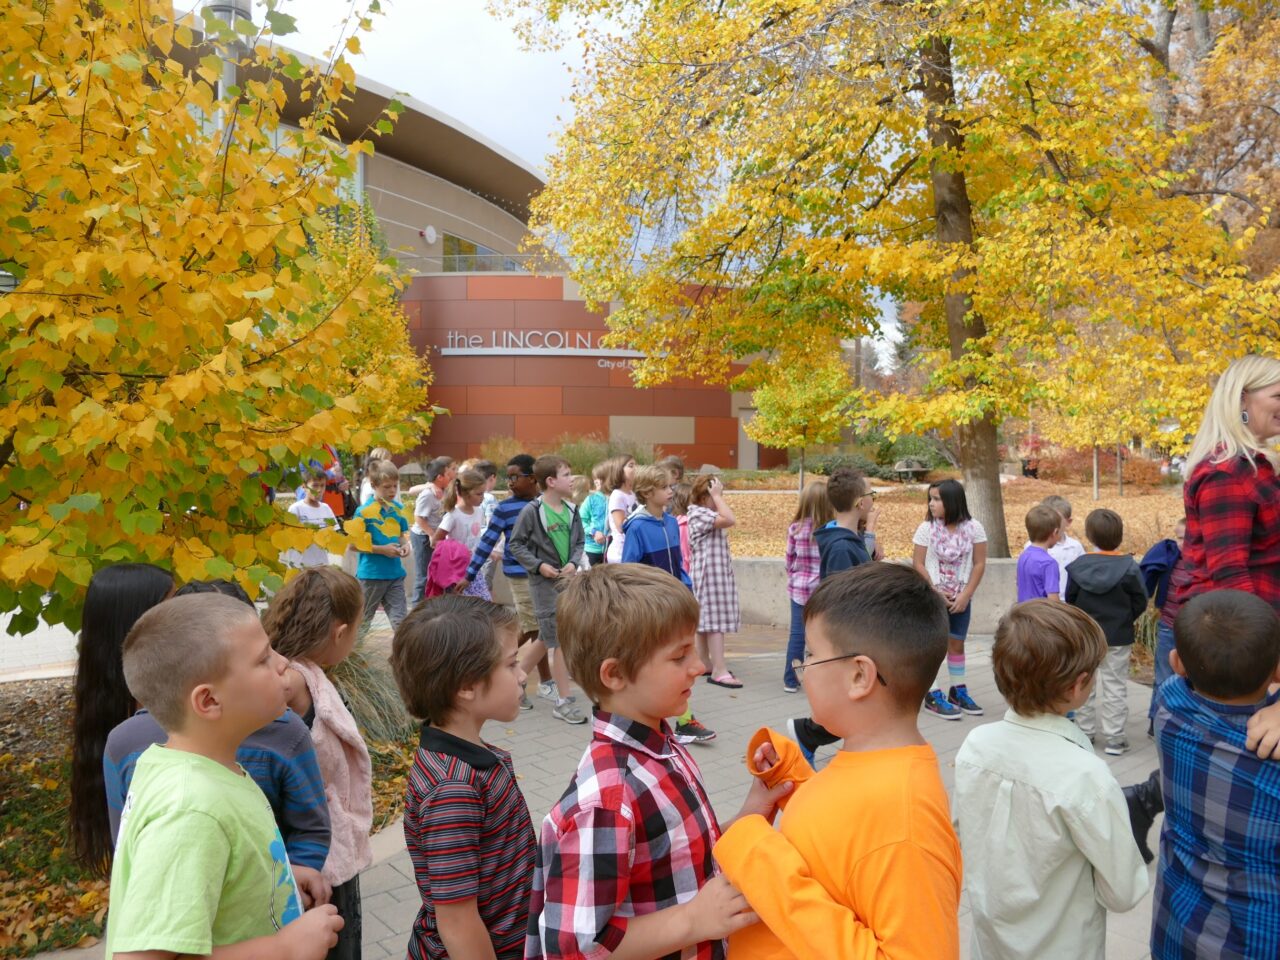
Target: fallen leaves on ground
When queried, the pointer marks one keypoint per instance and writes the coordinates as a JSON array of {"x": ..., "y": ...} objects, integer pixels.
[{"x": 1148, "y": 512}]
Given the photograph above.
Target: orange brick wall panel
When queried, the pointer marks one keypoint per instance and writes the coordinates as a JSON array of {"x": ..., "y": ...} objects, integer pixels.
[
  {"x": 515, "y": 288},
  {"x": 515, "y": 400},
  {"x": 620, "y": 373},
  {"x": 690, "y": 403},
  {"x": 721, "y": 430},
  {"x": 716, "y": 454},
  {"x": 556, "y": 371},
  {"x": 436, "y": 288},
  {"x": 469, "y": 429},
  {"x": 615, "y": 401},
  {"x": 543, "y": 429},
  {"x": 435, "y": 448},
  {"x": 453, "y": 398},
  {"x": 469, "y": 315},
  {"x": 468, "y": 371},
  {"x": 771, "y": 459},
  {"x": 555, "y": 315}
]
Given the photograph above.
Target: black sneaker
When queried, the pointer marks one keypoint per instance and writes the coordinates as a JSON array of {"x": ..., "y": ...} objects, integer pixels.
[
  {"x": 694, "y": 732},
  {"x": 959, "y": 697}
]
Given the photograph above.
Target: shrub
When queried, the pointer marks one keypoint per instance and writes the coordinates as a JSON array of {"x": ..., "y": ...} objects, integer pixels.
[
  {"x": 369, "y": 690},
  {"x": 919, "y": 448},
  {"x": 1077, "y": 466},
  {"x": 499, "y": 450},
  {"x": 823, "y": 466},
  {"x": 585, "y": 452}
]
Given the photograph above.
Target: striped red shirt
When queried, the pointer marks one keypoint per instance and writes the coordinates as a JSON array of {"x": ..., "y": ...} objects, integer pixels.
[
  {"x": 469, "y": 835},
  {"x": 1233, "y": 533}
]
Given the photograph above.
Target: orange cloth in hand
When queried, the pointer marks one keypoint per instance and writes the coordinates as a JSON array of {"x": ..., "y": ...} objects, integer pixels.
[{"x": 791, "y": 766}]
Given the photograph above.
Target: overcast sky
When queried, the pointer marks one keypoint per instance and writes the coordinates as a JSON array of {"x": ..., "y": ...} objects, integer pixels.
[{"x": 457, "y": 58}]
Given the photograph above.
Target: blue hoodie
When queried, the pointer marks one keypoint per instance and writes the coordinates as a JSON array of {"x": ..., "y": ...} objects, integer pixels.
[
  {"x": 656, "y": 542},
  {"x": 1156, "y": 566}
]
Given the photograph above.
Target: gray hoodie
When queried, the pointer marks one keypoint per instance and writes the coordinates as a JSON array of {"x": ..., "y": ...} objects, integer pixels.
[{"x": 531, "y": 545}]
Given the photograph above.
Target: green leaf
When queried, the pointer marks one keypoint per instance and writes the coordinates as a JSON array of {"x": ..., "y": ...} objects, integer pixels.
[
  {"x": 117, "y": 460},
  {"x": 281, "y": 23},
  {"x": 105, "y": 324},
  {"x": 384, "y": 126}
]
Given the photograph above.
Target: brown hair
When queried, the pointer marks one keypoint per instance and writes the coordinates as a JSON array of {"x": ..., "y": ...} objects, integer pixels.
[
  {"x": 301, "y": 616},
  {"x": 679, "y": 505},
  {"x": 544, "y": 468},
  {"x": 1059, "y": 504},
  {"x": 176, "y": 646},
  {"x": 615, "y": 473},
  {"x": 813, "y": 504},
  {"x": 1041, "y": 648},
  {"x": 581, "y": 487},
  {"x": 675, "y": 467},
  {"x": 622, "y": 611},
  {"x": 1104, "y": 528},
  {"x": 467, "y": 481},
  {"x": 845, "y": 488},
  {"x": 447, "y": 643},
  {"x": 647, "y": 479},
  {"x": 888, "y": 612},
  {"x": 1042, "y": 521},
  {"x": 601, "y": 471},
  {"x": 1229, "y": 643},
  {"x": 381, "y": 470},
  {"x": 701, "y": 489}
]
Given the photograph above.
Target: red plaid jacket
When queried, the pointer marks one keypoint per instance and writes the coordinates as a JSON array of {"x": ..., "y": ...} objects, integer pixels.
[
  {"x": 631, "y": 836},
  {"x": 1233, "y": 532}
]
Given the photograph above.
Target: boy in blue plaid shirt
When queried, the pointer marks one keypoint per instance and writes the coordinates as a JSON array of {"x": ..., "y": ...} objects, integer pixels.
[{"x": 1218, "y": 885}]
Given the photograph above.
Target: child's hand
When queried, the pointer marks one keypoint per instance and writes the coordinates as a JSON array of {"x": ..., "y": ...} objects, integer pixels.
[
  {"x": 567, "y": 570},
  {"x": 958, "y": 603},
  {"x": 548, "y": 571},
  {"x": 313, "y": 934},
  {"x": 1264, "y": 733},
  {"x": 763, "y": 800},
  {"x": 718, "y": 911},
  {"x": 764, "y": 757},
  {"x": 312, "y": 885},
  {"x": 404, "y": 549},
  {"x": 598, "y": 537}
]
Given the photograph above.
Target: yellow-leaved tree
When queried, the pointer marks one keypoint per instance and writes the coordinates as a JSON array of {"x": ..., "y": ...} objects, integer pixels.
[
  {"x": 742, "y": 173},
  {"x": 805, "y": 403},
  {"x": 185, "y": 318}
]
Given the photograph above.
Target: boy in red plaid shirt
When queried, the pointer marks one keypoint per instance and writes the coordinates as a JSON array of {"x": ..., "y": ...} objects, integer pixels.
[{"x": 624, "y": 859}]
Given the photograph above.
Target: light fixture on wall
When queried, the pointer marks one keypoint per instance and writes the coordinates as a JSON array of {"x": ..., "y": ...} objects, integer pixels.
[{"x": 428, "y": 233}]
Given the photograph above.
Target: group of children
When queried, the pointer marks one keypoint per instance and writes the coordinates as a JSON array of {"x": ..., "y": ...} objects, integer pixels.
[{"x": 632, "y": 861}]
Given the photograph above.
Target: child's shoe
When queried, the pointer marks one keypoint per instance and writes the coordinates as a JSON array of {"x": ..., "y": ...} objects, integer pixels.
[
  {"x": 547, "y": 691},
  {"x": 1116, "y": 746},
  {"x": 790, "y": 688},
  {"x": 693, "y": 732},
  {"x": 959, "y": 697},
  {"x": 939, "y": 706},
  {"x": 567, "y": 712},
  {"x": 525, "y": 702}
]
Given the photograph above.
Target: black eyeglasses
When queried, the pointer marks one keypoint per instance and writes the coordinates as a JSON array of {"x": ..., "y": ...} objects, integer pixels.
[{"x": 800, "y": 666}]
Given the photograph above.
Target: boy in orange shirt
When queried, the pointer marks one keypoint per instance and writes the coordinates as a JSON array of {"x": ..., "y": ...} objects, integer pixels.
[{"x": 865, "y": 862}]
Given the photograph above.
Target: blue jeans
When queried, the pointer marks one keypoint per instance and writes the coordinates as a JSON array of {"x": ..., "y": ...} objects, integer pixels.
[
  {"x": 795, "y": 645},
  {"x": 1164, "y": 643}
]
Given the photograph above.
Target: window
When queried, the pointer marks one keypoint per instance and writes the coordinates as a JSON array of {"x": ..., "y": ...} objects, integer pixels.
[{"x": 466, "y": 256}]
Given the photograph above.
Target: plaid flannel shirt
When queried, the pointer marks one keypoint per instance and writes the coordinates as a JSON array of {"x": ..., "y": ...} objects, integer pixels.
[
  {"x": 803, "y": 561},
  {"x": 1218, "y": 883},
  {"x": 1233, "y": 532},
  {"x": 632, "y": 835}
]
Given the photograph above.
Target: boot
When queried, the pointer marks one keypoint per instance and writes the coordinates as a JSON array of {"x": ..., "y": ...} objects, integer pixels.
[{"x": 1145, "y": 802}]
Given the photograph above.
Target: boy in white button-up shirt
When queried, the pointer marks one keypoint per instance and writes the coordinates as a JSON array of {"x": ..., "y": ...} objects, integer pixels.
[{"x": 1043, "y": 825}]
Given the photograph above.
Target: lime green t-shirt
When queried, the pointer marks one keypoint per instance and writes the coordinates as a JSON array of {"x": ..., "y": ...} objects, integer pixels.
[
  {"x": 199, "y": 861},
  {"x": 558, "y": 529}
]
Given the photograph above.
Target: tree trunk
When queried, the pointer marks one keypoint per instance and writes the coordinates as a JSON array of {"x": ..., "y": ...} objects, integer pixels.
[
  {"x": 979, "y": 457},
  {"x": 1120, "y": 467},
  {"x": 802, "y": 469},
  {"x": 1096, "y": 494}
]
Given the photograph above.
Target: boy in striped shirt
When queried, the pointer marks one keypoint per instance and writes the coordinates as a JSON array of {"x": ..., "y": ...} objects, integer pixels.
[{"x": 466, "y": 823}]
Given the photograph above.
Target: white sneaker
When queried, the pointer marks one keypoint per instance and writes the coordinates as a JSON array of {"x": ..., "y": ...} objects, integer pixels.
[
  {"x": 567, "y": 712},
  {"x": 548, "y": 691}
]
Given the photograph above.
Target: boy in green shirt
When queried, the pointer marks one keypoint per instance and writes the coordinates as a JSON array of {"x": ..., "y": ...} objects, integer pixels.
[
  {"x": 200, "y": 867},
  {"x": 547, "y": 541}
]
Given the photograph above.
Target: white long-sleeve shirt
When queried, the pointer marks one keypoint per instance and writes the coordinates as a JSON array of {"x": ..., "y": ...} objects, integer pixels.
[{"x": 1046, "y": 840}]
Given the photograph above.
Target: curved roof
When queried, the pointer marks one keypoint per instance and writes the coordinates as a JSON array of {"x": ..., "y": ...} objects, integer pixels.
[{"x": 432, "y": 141}]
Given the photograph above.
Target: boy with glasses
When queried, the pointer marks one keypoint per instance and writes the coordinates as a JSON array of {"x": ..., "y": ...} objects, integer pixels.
[{"x": 865, "y": 862}]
